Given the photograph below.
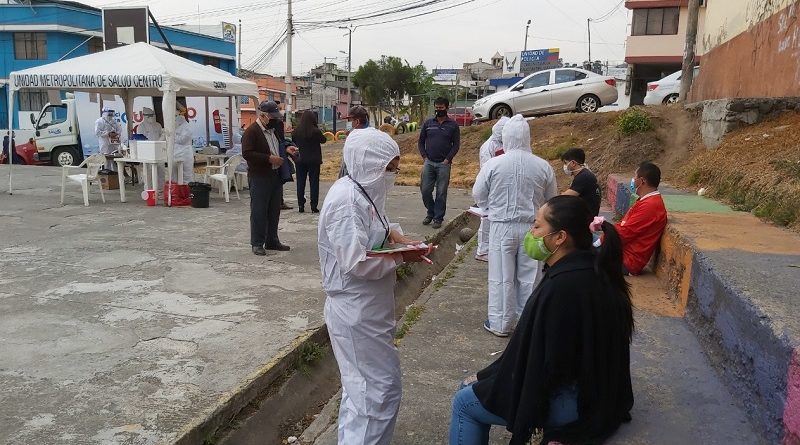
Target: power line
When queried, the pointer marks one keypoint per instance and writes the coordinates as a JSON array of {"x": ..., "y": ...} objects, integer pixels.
[{"x": 609, "y": 14}]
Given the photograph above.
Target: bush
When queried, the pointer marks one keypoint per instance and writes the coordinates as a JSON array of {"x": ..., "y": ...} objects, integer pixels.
[{"x": 632, "y": 121}]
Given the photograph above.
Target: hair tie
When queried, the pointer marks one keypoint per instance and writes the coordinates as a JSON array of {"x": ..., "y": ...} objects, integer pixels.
[{"x": 596, "y": 223}]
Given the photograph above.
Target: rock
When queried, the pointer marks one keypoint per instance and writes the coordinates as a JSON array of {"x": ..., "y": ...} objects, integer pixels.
[
  {"x": 466, "y": 234},
  {"x": 291, "y": 439}
]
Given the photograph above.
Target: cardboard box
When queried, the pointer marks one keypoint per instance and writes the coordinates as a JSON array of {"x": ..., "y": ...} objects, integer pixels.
[{"x": 109, "y": 182}]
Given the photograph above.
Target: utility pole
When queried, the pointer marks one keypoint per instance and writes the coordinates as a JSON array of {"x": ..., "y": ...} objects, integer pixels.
[
  {"x": 526, "y": 35},
  {"x": 349, "y": 70},
  {"x": 589, "y": 29},
  {"x": 289, "y": 31},
  {"x": 688, "y": 53},
  {"x": 240, "y": 48}
]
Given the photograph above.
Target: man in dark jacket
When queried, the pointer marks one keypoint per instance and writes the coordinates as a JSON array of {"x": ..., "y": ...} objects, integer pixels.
[
  {"x": 262, "y": 150},
  {"x": 439, "y": 141}
]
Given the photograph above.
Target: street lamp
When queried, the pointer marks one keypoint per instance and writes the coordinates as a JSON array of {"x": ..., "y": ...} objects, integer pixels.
[{"x": 526, "y": 34}]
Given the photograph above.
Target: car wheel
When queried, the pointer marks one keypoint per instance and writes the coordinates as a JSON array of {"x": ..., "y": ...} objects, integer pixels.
[
  {"x": 501, "y": 111},
  {"x": 65, "y": 156},
  {"x": 671, "y": 99},
  {"x": 588, "y": 103}
]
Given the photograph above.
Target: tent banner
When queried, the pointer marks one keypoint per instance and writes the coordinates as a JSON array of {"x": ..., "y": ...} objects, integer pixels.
[{"x": 71, "y": 81}]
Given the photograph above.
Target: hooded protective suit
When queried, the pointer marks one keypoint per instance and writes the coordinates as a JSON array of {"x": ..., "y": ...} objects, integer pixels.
[
  {"x": 512, "y": 187},
  {"x": 359, "y": 308},
  {"x": 183, "y": 150},
  {"x": 150, "y": 128},
  {"x": 104, "y": 128},
  {"x": 487, "y": 152}
]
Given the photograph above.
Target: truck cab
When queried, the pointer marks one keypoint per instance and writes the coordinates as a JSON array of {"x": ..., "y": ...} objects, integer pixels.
[{"x": 57, "y": 134}]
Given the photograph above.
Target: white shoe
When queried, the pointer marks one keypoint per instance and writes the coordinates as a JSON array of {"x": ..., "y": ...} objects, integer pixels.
[{"x": 484, "y": 258}]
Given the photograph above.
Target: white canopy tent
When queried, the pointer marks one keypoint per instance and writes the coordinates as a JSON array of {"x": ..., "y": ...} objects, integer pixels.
[{"x": 128, "y": 72}]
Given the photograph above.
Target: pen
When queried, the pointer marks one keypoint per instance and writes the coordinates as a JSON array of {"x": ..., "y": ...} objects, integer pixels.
[{"x": 426, "y": 259}]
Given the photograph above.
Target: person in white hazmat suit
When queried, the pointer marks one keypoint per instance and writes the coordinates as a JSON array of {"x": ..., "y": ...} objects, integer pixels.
[
  {"x": 513, "y": 187},
  {"x": 150, "y": 128},
  {"x": 108, "y": 131},
  {"x": 359, "y": 308},
  {"x": 487, "y": 151},
  {"x": 183, "y": 151}
]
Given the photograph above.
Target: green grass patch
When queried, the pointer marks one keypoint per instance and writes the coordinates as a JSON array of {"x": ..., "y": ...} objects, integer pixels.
[
  {"x": 555, "y": 153},
  {"x": 633, "y": 120},
  {"x": 310, "y": 352},
  {"x": 412, "y": 315}
]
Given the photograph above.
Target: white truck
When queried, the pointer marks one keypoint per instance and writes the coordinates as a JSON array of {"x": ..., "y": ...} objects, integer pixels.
[{"x": 64, "y": 133}]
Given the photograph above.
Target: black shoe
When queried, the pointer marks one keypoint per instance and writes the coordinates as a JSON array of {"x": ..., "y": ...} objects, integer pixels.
[
  {"x": 314, "y": 210},
  {"x": 437, "y": 225},
  {"x": 286, "y": 207},
  {"x": 427, "y": 220},
  {"x": 301, "y": 209},
  {"x": 279, "y": 247},
  {"x": 259, "y": 250}
]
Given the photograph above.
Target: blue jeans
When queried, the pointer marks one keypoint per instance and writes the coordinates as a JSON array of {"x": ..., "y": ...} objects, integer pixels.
[
  {"x": 470, "y": 421},
  {"x": 435, "y": 174}
]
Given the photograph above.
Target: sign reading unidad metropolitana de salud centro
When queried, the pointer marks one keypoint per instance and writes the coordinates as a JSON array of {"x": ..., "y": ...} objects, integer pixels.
[{"x": 88, "y": 81}]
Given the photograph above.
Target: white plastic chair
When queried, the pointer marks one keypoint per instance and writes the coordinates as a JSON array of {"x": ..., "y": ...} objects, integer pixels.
[
  {"x": 93, "y": 165},
  {"x": 225, "y": 177}
]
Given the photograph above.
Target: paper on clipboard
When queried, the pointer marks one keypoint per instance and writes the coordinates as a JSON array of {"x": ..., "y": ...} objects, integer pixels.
[
  {"x": 477, "y": 211},
  {"x": 397, "y": 248}
]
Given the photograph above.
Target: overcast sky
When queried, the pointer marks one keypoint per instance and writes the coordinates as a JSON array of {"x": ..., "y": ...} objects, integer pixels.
[{"x": 445, "y": 39}]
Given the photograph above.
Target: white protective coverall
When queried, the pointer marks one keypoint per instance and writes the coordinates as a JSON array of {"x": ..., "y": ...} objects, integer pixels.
[
  {"x": 103, "y": 128},
  {"x": 359, "y": 308},
  {"x": 150, "y": 128},
  {"x": 487, "y": 152},
  {"x": 183, "y": 151},
  {"x": 512, "y": 187}
]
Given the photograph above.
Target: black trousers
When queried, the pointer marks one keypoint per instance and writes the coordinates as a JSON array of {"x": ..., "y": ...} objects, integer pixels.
[
  {"x": 265, "y": 210},
  {"x": 310, "y": 171}
]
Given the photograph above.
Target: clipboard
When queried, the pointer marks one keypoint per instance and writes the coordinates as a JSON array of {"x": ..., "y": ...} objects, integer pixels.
[
  {"x": 477, "y": 211},
  {"x": 398, "y": 248}
]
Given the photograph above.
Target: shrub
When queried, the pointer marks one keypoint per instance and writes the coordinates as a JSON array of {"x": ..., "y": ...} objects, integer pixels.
[{"x": 632, "y": 121}]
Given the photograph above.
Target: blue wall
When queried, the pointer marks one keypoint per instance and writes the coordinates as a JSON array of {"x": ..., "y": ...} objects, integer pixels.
[{"x": 60, "y": 43}]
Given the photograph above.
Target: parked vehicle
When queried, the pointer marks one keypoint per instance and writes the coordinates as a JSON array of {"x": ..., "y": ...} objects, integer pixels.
[
  {"x": 25, "y": 154},
  {"x": 462, "y": 115},
  {"x": 550, "y": 91},
  {"x": 666, "y": 90}
]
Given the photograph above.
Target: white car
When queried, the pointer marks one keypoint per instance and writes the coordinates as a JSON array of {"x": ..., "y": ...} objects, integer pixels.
[
  {"x": 666, "y": 90},
  {"x": 549, "y": 91}
]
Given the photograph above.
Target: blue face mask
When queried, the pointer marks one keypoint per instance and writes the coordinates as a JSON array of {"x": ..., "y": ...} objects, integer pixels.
[{"x": 366, "y": 124}]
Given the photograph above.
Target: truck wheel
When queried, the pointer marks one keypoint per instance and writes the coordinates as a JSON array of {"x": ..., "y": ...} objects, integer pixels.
[{"x": 65, "y": 156}]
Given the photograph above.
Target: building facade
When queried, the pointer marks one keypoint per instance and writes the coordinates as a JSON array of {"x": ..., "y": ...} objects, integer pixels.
[
  {"x": 655, "y": 46},
  {"x": 269, "y": 88},
  {"x": 752, "y": 49},
  {"x": 41, "y": 32}
]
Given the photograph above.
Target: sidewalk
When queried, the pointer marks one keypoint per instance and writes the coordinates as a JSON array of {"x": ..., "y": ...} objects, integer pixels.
[
  {"x": 122, "y": 324},
  {"x": 679, "y": 397}
]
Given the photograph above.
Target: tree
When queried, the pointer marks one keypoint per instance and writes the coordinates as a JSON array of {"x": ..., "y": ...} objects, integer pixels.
[{"x": 388, "y": 81}]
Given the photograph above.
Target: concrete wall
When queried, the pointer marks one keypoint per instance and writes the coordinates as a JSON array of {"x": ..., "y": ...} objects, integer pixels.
[
  {"x": 762, "y": 60},
  {"x": 720, "y": 117}
]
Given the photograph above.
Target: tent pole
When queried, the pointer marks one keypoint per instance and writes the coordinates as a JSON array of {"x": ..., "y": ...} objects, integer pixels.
[{"x": 168, "y": 108}]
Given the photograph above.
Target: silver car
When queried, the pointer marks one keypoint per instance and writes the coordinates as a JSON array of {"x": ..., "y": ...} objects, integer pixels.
[{"x": 550, "y": 91}]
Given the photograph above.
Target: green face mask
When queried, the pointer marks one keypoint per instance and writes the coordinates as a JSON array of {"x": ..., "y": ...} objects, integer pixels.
[{"x": 535, "y": 248}]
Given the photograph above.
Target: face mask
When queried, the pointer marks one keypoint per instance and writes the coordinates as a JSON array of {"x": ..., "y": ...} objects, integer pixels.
[
  {"x": 566, "y": 170},
  {"x": 441, "y": 113},
  {"x": 389, "y": 179},
  {"x": 535, "y": 248},
  {"x": 365, "y": 124}
]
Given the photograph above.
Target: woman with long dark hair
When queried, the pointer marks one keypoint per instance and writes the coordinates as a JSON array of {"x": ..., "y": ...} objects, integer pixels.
[
  {"x": 566, "y": 369},
  {"x": 308, "y": 138}
]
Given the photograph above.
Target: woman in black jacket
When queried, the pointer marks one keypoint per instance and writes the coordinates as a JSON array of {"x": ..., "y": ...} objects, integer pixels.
[
  {"x": 566, "y": 369},
  {"x": 308, "y": 138}
]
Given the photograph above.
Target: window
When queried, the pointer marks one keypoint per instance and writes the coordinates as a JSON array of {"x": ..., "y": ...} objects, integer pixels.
[
  {"x": 213, "y": 61},
  {"x": 32, "y": 100},
  {"x": 538, "y": 80},
  {"x": 564, "y": 76},
  {"x": 655, "y": 21},
  {"x": 95, "y": 45},
  {"x": 53, "y": 115},
  {"x": 30, "y": 45}
]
